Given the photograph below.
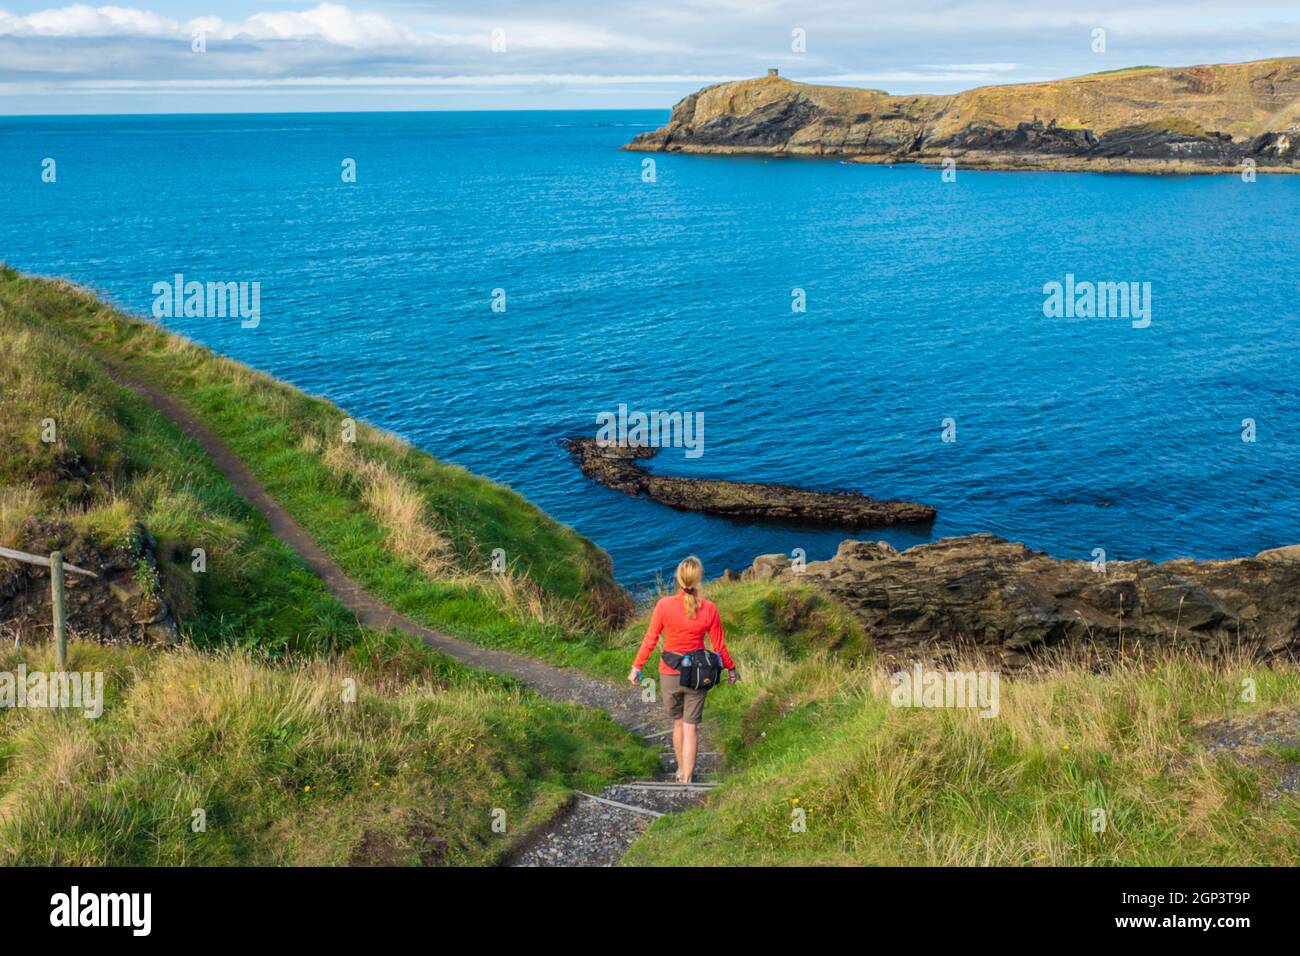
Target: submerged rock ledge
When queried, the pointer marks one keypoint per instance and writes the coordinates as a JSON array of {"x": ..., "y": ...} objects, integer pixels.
[
  {"x": 618, "y": 467},
  {"x": 983, "y": 597}
]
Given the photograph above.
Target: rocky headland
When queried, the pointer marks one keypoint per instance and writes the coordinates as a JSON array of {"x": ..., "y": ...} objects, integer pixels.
[
  {"x": 1145, "y": 119},
  {"x": 981, "y": 596},
  {"x": 619, "y": 467}
]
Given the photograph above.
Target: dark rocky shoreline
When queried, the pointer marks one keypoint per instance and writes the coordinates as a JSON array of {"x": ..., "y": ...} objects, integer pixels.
[
  {"x": 1035, "y": 143},
  {"x": 618, "y": 467},
  {"x": 981, "y": 596},
  {"x": 1028, "y": 145}
]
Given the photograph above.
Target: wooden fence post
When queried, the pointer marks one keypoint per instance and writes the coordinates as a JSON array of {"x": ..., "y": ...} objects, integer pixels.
[
  {"x": 60, "y": 612},
  {"x": 57, "y": 566}
]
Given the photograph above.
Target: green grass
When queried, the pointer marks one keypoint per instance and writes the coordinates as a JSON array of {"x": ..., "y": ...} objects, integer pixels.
[
  {"x": 812, "y": 729},
  {"x": 248, "y": 722},
  {"x": 809, "y": 730},
  {"x": 287, "y": 771},
  {"x": 558, "y": 598},
  {"x": 1169, "y": 124},
  {"x": 117, "y": 467},
  {"x": 1125, "y": 69}
]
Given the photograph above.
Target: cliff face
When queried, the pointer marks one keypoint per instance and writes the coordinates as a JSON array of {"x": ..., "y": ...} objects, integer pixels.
[{"x": 1147, "y": 118}]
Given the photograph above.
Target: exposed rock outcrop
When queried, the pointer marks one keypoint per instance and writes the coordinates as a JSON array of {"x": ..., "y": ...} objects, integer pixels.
[
  {"x": 988, "y": 597},
  {"x": 1187, "y": 119},
  {"x": 126, "y": 604},
  {"x": 618, "y": 467}
]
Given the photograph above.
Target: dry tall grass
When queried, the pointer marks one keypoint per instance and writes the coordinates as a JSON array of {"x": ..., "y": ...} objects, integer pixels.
[
  {"x": 396, "y": 505},
  {"x": 1085, "y": 763},
  {"x": 16, "y": 504},
  {"x": 400, "y": 510},
  {"x": 387, "y": 759}
]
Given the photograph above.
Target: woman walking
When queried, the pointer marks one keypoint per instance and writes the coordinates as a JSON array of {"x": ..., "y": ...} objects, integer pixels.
[{"x": 684, "y": 619}]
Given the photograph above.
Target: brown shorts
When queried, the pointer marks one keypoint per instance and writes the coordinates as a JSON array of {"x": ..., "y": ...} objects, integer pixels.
[{"x": 681, "y": 703}]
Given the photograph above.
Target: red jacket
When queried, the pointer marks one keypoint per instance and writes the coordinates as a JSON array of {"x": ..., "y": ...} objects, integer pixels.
[{"x": 682, "y": 633}]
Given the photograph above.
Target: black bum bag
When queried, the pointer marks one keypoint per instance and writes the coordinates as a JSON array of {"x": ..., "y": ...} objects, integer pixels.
[{"x": 697, "y": 670}]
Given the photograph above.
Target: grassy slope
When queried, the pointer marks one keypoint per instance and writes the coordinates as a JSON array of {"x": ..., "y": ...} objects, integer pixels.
[
  {"x": 560, "y": 590},
  {"x": 142, "y": 470},
  {"x": 410, "y": 772},
  {"x": 287, "y": 771},
  {"x": 811, "y": 722},
  {"x": 886, "y": 785}
]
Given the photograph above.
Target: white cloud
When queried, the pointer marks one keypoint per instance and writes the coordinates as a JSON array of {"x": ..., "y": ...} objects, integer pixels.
[
  {"x": 329, "y": 22},
  {"x": 81, "y": 20},
  {"x": 660, "y": 50},
  {"x": 462, "y": 81},
  {"x": 558, "y": 34}
]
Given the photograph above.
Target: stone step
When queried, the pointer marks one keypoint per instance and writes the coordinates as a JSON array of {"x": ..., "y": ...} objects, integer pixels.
[{"x": 703, "y": 761}]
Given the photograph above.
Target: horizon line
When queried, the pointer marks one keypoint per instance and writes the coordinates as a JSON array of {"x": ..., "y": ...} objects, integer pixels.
[{"x": 341, "y": 112}]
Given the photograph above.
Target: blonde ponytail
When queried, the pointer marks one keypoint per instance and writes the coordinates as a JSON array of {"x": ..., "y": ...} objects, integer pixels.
[{"x": 689, "y": 575}]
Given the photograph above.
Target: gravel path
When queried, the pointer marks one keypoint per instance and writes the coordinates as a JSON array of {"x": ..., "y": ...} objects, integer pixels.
[
  {"x": 592, "y": 833},
  {"x": 1263, "y": 742},
  {"x": 589, "y": 832}
]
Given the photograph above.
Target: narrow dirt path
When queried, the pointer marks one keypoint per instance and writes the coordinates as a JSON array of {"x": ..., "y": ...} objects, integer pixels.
[{"x": 595, "y": 829}]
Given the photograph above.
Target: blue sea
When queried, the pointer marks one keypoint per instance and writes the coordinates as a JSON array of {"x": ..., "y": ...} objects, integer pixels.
[{"x": 924, "y": 303}]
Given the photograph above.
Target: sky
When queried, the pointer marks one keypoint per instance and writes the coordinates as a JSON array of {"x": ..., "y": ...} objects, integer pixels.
[{"x": 187, "y": 56}]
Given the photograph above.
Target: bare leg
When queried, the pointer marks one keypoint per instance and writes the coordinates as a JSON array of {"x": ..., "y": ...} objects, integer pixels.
[
  {"x": 677, "y": 747},
  {"x": 686, "y": 755}
]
